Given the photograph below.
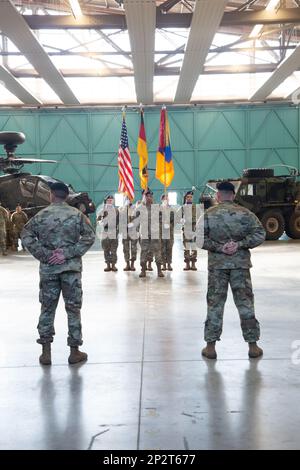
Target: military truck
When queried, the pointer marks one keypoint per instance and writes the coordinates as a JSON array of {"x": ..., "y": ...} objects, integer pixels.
[{"x": 275, "y": 200}]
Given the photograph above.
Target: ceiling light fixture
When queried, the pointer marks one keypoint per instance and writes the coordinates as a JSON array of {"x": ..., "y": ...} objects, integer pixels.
[
  {"x": 257, "y": 28},
  {"x": 75, "y": 7}
]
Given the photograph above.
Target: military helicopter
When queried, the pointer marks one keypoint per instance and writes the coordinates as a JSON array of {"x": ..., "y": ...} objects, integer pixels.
[{"x": 32, "y": 192}]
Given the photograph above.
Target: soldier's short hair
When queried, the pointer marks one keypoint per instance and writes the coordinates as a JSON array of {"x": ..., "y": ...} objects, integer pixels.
[
  {"x": 110, "y": 196},
  {"x": 226, "y": 186},
  {"x": 60, "y": 190}
]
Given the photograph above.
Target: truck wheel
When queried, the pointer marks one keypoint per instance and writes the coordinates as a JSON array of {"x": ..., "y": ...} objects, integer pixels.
[
  {"x": 273, "y": 223},
  {"x": 258, "y": 173},
  {"x": 293, "y": 226}
]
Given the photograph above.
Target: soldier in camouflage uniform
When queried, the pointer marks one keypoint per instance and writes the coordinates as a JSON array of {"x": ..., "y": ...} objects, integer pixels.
[
  {"x": 230, "y": 231},
  {"x": 129, "y": 238},
  {"x": 149, "y": 235},
  {"x": 10, "y": 242},
  {"x": 190, "y": 253},
  {"x": 58, "y": 236},
  {"x": 167, "y": 222},
  {"x": 19, "y": 219},
  {"x": 109, "y": 216},
  {"x": 4, "y": 217}
]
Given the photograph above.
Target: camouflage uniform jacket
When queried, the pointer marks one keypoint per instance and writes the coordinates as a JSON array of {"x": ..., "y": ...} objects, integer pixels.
[
  {"x": 109, "y": 221},
  {"x": 58, "y": 226},
  {"x": 19, "y": 219},
  {"x": 166, "y": 222},
  {"x": 225, "y": 222},
  {"x": 4, "y": 217}
]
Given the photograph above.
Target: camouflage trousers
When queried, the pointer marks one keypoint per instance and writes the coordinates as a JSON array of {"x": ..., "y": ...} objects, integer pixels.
[
  {"x": 241, "y": 286},
  {"x": 166, "y": 250},
  {"x": 16, "y": 235},
  {"x": 129, "y": 249},
  {"x": 190, "y": 254},
  {"x": 51, "y": 285},
  {"x": 149, "y": 249},
  {"x": 110, "y": 247},
  {"x": 2, "y": 239}
]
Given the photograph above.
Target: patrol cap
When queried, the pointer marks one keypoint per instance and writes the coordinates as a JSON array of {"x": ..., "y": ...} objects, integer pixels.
[
  {"x": 59, "y": 189},
  {"x": 226, "y": 186},
  {"x": 148, "y": 191},
  {"x": 110, "y": 196},
  {"x": 187, "y": 194}
]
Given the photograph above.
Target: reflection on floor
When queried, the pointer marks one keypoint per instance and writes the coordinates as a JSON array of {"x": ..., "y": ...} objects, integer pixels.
[{"x": 146, "y": 385}]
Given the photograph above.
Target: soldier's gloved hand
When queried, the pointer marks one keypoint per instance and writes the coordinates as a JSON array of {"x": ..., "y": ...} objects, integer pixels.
[
  {"x": 57, "y": 257},
  {"x": 230, "y": 248}
]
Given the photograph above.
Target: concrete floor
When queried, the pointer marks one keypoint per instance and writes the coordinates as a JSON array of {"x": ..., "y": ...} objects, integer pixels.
[{"x": 146, "y": 385}]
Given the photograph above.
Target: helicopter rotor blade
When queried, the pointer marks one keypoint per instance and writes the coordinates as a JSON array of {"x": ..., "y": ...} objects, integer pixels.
[{"x": 30, "y": 160}]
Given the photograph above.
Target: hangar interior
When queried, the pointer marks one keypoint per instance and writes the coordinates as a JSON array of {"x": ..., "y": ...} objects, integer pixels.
[{"x": 228, "y": 72}]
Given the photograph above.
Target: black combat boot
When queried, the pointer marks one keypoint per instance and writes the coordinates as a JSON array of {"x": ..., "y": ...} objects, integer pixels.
[
  {"x": 193, "y": 267},
  {"x": 170, "y": 267},
  {"x": 159, "y": 271},
  {"x": 76, "y": 355},
  {"x": 127, "y": 267},
  {"x": 108, "y": 268},
  {"x": 143, "y": 271},
  {"x": 254, "y": 351},
  {"x": 114, "y": 268},
  {"x": 210, "y": 352},
  {"x": 187, "y": 266},
  {"x": 132, "y": 268},
  {"x": 149, "y": 267},
  {"x": 164, "y": 267},
  {"x": 45, "y": 357}
]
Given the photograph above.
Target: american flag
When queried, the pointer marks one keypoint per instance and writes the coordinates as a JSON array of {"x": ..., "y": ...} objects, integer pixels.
[{"x": 126, "y": 185}]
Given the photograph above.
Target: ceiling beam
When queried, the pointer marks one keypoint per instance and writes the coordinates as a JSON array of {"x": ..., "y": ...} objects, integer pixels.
[
  {"x": 206, "y": 19},
  {"x": 17, "y": 30},
  {"x": 13, "y": 85},
  {"x": 141, "y": 20},
  {"x": 282, "y": 72},
  {"x": 158, "y": 71},
  {"x": 169, "y": 20}
]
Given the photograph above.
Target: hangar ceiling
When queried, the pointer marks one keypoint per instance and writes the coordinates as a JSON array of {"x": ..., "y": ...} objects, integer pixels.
[{"x": 114, "y": 52}]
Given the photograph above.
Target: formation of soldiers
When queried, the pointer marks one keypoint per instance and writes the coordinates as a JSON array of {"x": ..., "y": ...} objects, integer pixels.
[
  {"x": 152, "y": 227},
  {"x": 60, "y": 235},
  {"x": 11, "y": 226}
]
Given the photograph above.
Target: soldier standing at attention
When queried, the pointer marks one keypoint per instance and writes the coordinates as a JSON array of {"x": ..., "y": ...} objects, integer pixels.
[
  {"x": 58, "y": 236},
  {"x": 10, "y": 242},
  {"x": 4, "y": 217},
  {"x": 129, "y": 243},
  {"x": 149, "y": 235},
  {"x": 190, "y": 253},
  {"x": 230, "y": 231},
  {"x": 109, "y": 241},
  {"x": 167, "y": 233},
  {"x": 19, "y": 219}
]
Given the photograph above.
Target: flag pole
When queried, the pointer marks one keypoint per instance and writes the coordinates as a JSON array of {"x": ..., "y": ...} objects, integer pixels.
[{"x": 165, "y": 165}]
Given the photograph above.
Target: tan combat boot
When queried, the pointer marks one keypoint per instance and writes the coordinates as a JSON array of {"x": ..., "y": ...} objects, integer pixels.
[
  {"x": 187, "y": 266},
  {"x": 76, "y": 355},
  {"x": 193, "y": 267},
  {"x": 209, "y": 351},
  {"x": 45, "y": 357},
  {"x": 254, "y": 351},
  {"x": 143, "y": 271},
  {"x": 114, "y": 268},
  {"x": 169, "y": 267},
  {"x": 127, "y": 267},
  {"x": 108, "y": 268},
  {"x": 149, "y": 267},
  {"x": 132, "y": 268},
  {"x": 159, "y": 271}
]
